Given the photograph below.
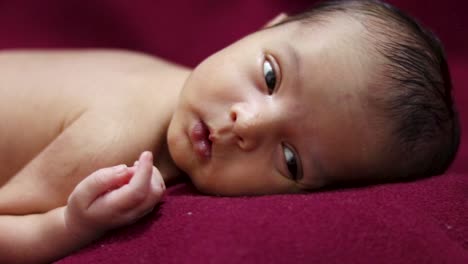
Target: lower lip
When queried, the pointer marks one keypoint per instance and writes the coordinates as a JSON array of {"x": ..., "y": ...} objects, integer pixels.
[{"x": 199, "y": 136}]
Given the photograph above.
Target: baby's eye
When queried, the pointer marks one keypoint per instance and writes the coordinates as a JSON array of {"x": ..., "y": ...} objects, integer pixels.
[
  {"x": 270, "y": 76},
  {"x": 292, "y": 161}
]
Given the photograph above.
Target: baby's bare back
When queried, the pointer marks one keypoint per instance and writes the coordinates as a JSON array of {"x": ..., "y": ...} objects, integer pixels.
[{"x": 66, "y": 114}]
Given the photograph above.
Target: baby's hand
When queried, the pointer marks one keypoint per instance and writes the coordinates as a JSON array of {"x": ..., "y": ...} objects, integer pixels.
[{"x": 113, "y": 197}]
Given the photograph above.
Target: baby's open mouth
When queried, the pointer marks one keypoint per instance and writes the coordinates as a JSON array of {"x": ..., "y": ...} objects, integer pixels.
[{"x": 199, "y": 135}]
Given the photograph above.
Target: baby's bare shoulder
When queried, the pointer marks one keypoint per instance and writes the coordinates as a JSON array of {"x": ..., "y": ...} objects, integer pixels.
[
  {"x": 61, "y": 70},
  {"x": 87, "y": 109}
]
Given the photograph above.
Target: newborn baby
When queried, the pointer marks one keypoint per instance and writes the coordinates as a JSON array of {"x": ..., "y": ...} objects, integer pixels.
[{"x": 347, "y": 92}]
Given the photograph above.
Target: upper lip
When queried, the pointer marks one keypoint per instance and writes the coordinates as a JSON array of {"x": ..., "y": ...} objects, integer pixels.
[
  {"x": 210, "y": 131},
  {"x": 222, "y": 134},
  {"x": 211, "y": 134}
]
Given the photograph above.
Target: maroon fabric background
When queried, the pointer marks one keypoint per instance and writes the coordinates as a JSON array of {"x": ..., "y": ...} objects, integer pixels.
[{"x": 418, "y": 222}]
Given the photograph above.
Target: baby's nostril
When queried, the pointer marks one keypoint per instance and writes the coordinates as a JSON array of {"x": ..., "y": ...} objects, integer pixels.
[
  {"x": 233, "y": 116},
  {"x": 241, "y": 142}
]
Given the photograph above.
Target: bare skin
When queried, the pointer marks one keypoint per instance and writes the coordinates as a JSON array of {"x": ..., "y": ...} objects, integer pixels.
[
  {"x": 65, "y": 114},
  {"x": 96, "y": 93},
  {"x": 70, "y": 117}
]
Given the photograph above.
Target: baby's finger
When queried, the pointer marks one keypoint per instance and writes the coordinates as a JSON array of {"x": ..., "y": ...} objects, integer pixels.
[
  {"x": 141, "y": 179},
  {"x": 136, "y": 191},
  {"x": 100, "y": 182},
  {"x": 155, "y": 195},
  {"x": 129, "y": 204},
  {"x": 157, "y": 181}
]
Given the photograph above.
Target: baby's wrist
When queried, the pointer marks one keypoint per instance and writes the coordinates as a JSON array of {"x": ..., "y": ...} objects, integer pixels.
[{"x": 78, "y": 229}]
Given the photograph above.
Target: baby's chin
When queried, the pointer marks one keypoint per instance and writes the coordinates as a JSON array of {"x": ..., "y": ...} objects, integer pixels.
[
  {"x": 197, "y": 181},
  {"x": 204, "y": 184}
]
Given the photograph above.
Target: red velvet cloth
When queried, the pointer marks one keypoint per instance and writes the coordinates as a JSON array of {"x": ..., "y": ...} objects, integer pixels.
[{"x": 419, "y": 222}]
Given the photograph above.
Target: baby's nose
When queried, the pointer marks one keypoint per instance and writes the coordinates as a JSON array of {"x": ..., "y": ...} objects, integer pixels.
[{"x": 249, "y": 125}]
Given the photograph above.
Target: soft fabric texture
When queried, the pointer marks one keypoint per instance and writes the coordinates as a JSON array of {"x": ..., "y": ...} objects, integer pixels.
[{"x": 424, "y": 221}]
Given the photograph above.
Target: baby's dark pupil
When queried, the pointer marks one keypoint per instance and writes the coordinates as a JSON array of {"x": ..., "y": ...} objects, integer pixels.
[
  {"x": 270, "y": 79},
  {"x": 292, "y": 167}
]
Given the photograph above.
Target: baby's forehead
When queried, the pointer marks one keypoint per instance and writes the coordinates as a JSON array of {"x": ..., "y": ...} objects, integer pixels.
[
  {"x": 340, "y": 46},
  {"x": 337, "y": 33}
]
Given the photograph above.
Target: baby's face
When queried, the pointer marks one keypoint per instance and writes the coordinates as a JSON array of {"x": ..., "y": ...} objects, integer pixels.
[{"x": 280, "y": 111}]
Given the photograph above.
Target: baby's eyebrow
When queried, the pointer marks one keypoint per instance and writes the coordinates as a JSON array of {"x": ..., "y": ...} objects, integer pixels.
[
  {"x": 294, "y": 57},
  {"x": 293, "y": 54},
  {"x": 291, "y": 68}
]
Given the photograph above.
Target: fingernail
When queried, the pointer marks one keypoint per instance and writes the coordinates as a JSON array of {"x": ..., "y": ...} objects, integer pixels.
[
  {"x": 154, "y": 182},
  {"x": 146, "y": 155}
]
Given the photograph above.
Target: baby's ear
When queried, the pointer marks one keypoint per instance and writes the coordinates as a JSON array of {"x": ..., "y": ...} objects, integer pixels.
[{"x": 277, "y": 19}]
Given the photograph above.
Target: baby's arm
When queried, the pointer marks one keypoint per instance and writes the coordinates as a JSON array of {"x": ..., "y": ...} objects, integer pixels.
[
  {"x": 106, "y": 199},
  {"x": 37, "y": 238}
]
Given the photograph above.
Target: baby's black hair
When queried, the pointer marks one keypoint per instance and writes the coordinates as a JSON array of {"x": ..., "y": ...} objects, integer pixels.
[{"x": 417, "y": 98}]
